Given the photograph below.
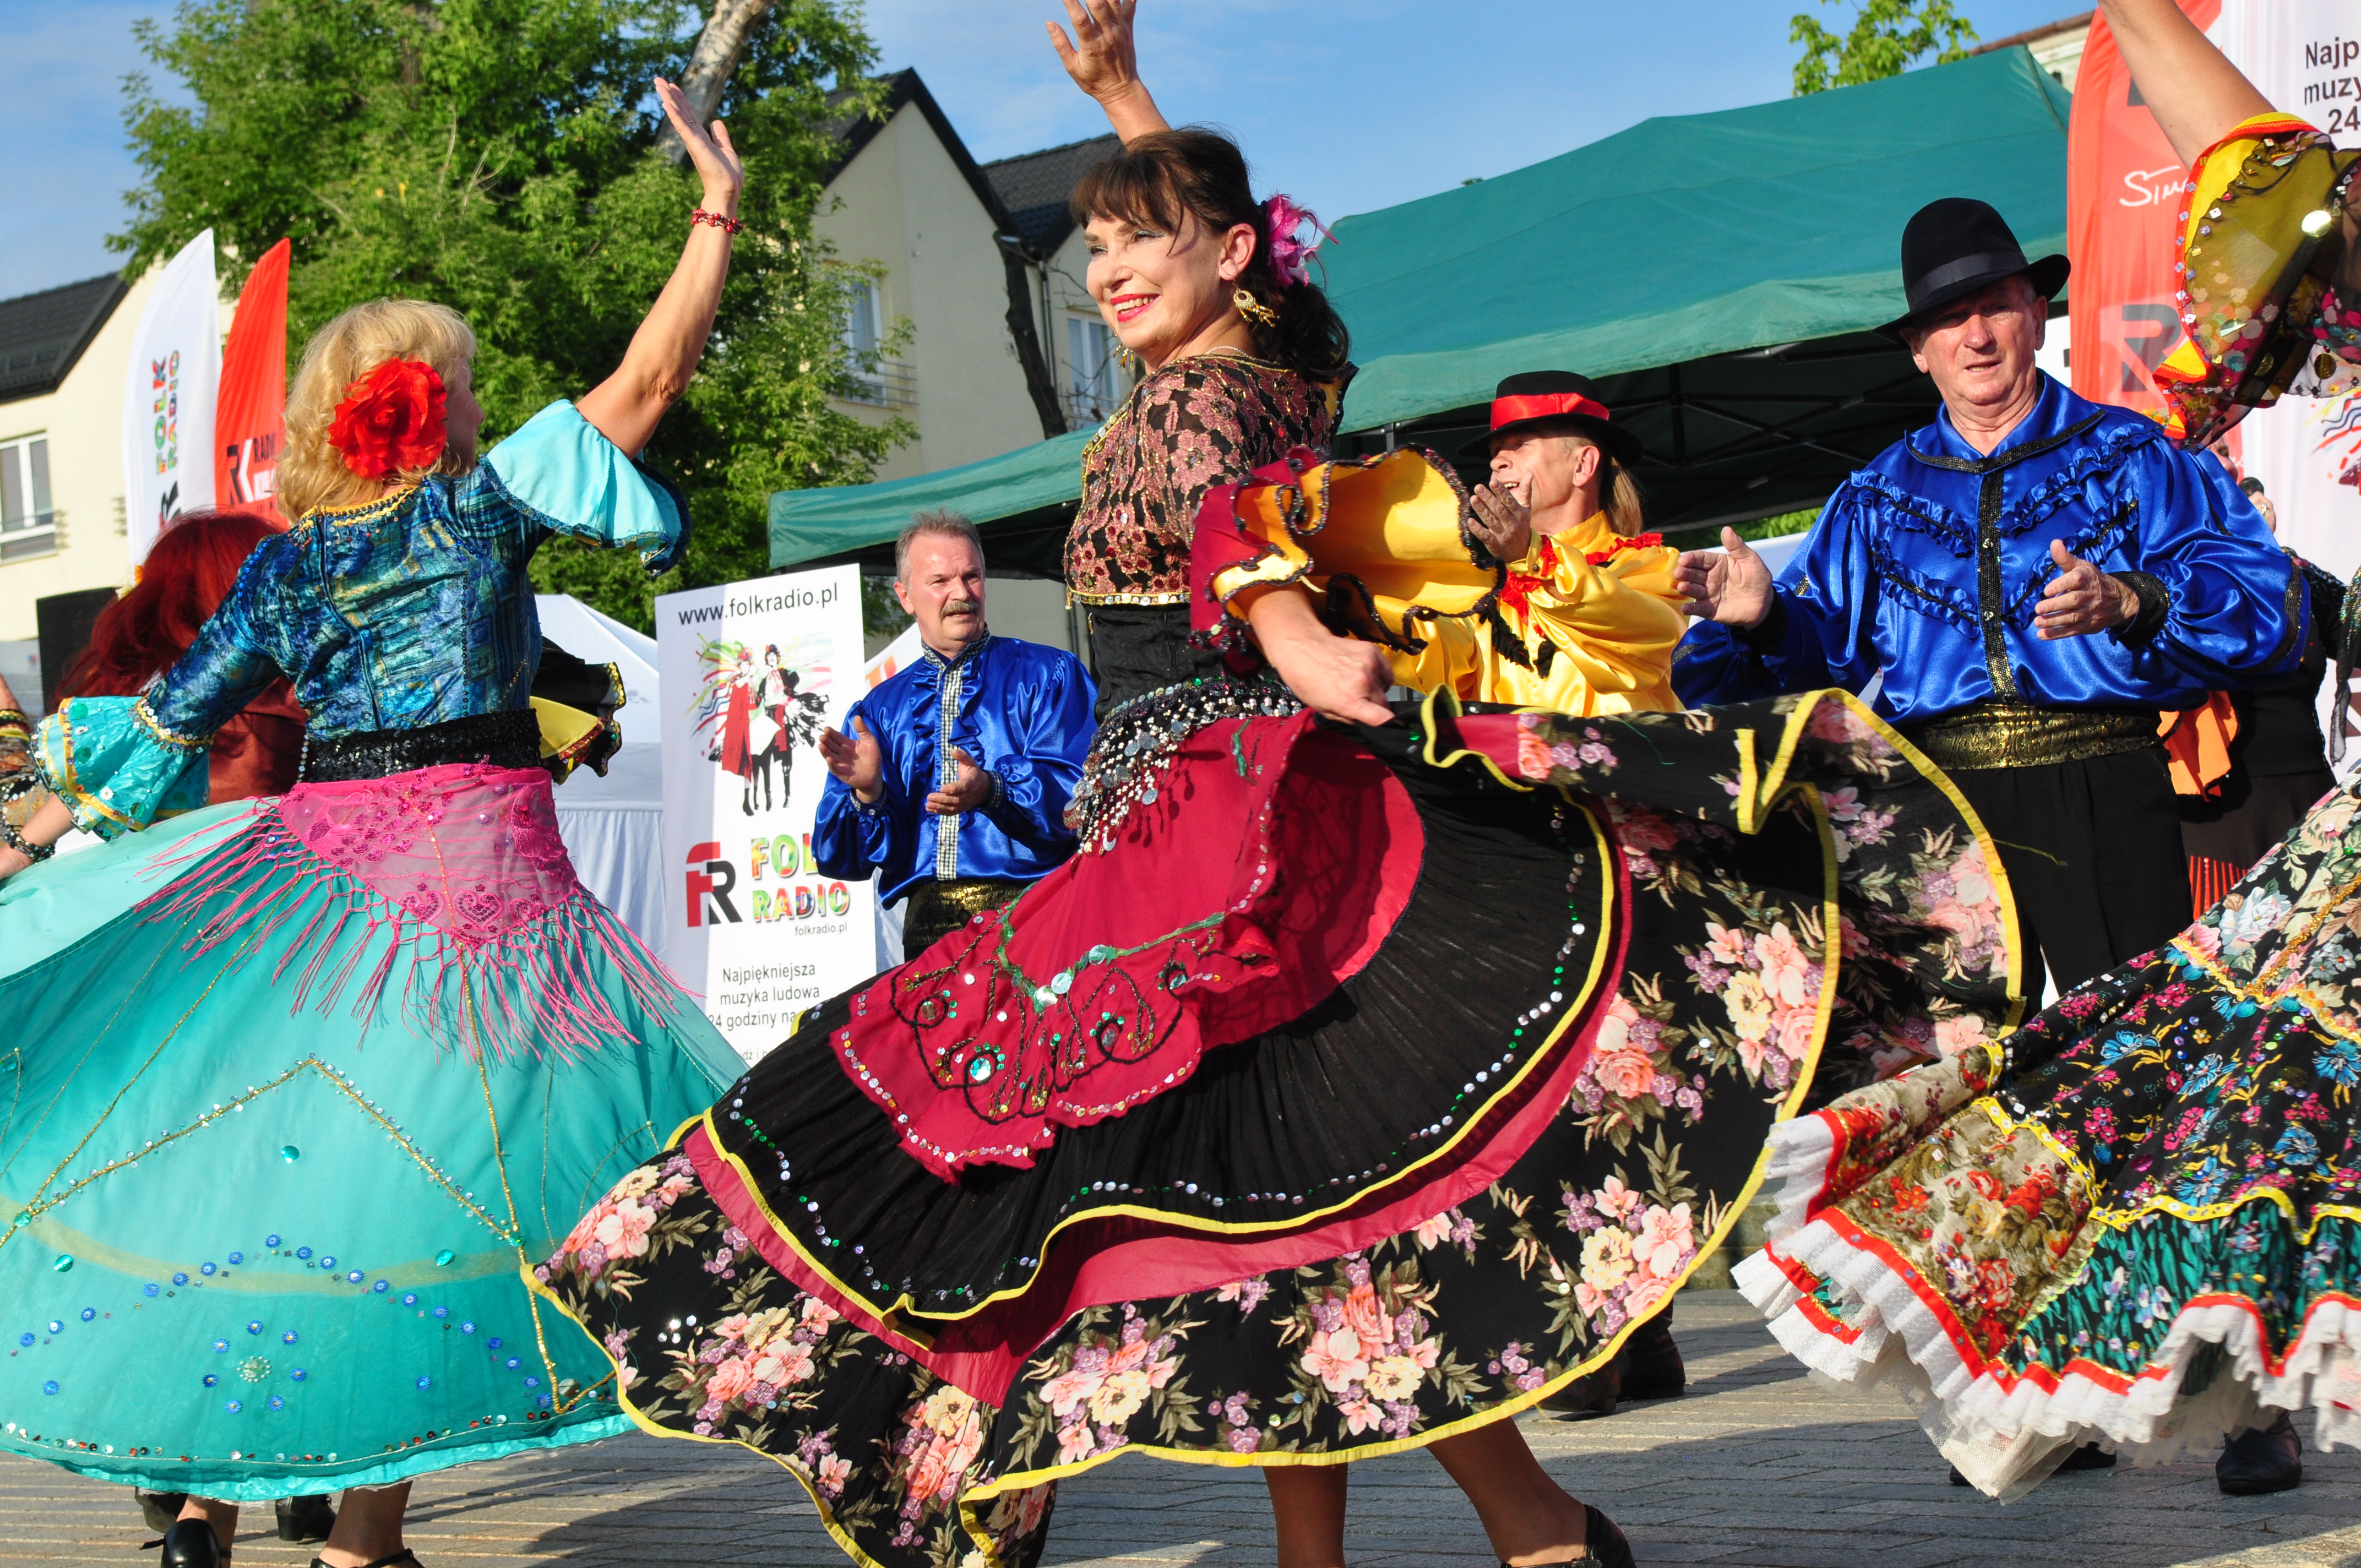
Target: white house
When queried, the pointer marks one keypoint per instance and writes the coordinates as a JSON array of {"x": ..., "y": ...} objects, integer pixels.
[
  {"x": 61, "y": 356},
  {"x": 984, "y": 269}
]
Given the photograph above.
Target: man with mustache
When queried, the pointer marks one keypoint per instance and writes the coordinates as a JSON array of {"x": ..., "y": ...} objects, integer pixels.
[{"x": 950, "y": 779}]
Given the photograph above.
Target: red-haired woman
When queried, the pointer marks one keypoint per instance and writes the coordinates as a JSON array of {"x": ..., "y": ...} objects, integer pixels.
[{"x": 143, "y": 633}]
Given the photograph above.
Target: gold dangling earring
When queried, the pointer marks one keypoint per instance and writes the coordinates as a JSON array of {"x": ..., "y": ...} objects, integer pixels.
[
  {"x": 1128, "y": 359},
  {"x": 1254, "y": 310}
]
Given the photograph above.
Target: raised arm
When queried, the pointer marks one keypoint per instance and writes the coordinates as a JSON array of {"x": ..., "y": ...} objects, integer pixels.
[
  {"x": 2196, "y": 94},
  {"x": 1105, "y": 63},
  {"x": 625, "y": 407}
]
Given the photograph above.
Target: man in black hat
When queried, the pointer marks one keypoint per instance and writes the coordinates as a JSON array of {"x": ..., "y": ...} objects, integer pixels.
[
  {"x": 1588, "y": 618},
  {"x": 2035, "y": 576}
]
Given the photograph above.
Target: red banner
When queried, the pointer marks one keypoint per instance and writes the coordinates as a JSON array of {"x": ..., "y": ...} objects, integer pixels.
[
  {"x": 2123, "y": 207},
  {"x": 250, "y": 421}
]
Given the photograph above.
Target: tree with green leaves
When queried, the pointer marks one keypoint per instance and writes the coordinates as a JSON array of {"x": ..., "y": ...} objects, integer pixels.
[
  {"x": 1887, "y": 38},
  {"x": 501, "y": 157}
]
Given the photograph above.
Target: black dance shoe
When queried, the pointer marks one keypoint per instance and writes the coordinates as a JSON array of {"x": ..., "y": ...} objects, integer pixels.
[
  {"x": 1650, "y": 1363},
  {"x": 1593, "y": 1394},
  {"x": 191, "y": 1543},
  {"x": 2267, "y": 1458},
  {"x": 305, "y": 1518},
  {"x": 399, "y": 1558},
  {"x": 1601, "y": 1543}
]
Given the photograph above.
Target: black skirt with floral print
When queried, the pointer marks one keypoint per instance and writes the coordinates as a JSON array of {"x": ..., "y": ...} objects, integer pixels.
[{"x": 1438, "y": 1194}]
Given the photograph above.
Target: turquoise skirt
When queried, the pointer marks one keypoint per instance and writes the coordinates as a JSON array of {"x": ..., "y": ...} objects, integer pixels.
[{"x": 289, "y": 1093}]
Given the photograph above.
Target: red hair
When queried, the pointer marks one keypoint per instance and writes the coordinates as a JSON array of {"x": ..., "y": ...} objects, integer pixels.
[{"x": 189, "y": 571}]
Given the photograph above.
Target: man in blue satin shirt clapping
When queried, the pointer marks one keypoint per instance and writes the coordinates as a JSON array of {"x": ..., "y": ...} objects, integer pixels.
[
  {"x": 950, "y": 779},
  {"x": 2035, "y": 576}
]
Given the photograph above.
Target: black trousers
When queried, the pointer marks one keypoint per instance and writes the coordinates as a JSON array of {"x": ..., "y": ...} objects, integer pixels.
[{"x": 2092, "y": 852}]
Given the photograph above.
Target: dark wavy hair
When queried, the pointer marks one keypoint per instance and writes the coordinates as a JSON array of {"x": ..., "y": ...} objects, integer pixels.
[
  {"x": 1201, "y": 172},
  {"x": 189, "y": 571}
]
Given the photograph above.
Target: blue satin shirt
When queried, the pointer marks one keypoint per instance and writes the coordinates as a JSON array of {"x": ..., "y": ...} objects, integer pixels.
[
  {"x": 1021, "y": 711},
  {"x": 1928, "y": 563},
  {"x": 408, "y": 612}
]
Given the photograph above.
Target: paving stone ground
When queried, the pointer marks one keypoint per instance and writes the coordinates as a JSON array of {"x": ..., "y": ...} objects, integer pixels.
[{"x": 1757, "y": 1465}]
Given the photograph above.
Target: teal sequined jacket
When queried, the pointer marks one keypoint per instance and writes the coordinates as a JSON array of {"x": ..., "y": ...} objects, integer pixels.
[{"x": 408, "y": 612}]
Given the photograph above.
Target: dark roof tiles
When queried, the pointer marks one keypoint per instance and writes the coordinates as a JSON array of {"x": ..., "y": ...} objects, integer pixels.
[
  {"x": 42, "y": 335},
  {"x": 1035, "y": 186}
]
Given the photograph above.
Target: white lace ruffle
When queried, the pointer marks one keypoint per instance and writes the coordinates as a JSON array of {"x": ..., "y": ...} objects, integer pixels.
[{"x": 2006, "y": 1440}]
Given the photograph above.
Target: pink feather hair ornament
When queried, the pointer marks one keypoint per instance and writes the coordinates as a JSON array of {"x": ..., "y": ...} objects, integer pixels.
[{"x": 1290, "y": 256}]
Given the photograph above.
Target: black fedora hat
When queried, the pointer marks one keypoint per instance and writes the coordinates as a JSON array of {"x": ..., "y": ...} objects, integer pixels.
[
  {"x": 1554, "y": 397},
  {"x": 1953, "y": 247}
]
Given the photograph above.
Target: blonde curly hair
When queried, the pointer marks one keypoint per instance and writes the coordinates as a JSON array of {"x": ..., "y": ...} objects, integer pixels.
[{"x": 312, "y": 473}]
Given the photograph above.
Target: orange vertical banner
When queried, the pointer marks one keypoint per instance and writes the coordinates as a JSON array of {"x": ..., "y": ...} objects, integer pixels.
[
  {"x": 2123, "y": 207},
  {"x": 251, "y": 418}
]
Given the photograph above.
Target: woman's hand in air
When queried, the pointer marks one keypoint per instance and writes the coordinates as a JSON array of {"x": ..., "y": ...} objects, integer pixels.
[
  {"x": 1104, "y": 62},
  {"x": 717, "y": 162}
]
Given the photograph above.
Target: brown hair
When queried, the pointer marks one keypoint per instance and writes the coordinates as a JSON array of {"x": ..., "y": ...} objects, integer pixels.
[
  {"x": 312, "y": 472},
  {"x": 1158, "y": 178}
]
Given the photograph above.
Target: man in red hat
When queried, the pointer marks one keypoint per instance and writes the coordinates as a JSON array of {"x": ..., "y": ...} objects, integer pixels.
[
  {"x": 2035, "y": 576},
  {"x": 1588, "y": 617}
]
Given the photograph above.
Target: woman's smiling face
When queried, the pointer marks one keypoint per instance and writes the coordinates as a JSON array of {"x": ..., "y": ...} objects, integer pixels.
[{"x": 1160, "y": 288}]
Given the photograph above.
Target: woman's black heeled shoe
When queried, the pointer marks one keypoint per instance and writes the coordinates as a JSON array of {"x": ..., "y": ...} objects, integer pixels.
[
  {"x": 393, "y": 1562},
  {"x": 1601, "y": 1543},
  {"x": 191, "y": 1543}
]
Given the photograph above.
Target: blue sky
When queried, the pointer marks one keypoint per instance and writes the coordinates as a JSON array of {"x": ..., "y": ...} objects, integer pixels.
[{"x": 1347, "y": 104}]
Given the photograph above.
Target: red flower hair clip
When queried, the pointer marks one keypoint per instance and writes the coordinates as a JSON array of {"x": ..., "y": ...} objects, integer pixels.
[{"x": 390, "y": 420}]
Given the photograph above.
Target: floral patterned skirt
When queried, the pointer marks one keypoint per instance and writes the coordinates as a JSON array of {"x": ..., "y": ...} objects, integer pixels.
[
  {"x": 1472, "y": 1063},
  {"x": 2133, "y": 1223}
]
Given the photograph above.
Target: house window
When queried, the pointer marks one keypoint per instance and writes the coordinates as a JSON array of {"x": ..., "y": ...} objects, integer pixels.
[
  {"x": 1094, "y": 378},
  {"x": 862, "y": 320},
  {"x": 27, "y": 520}
]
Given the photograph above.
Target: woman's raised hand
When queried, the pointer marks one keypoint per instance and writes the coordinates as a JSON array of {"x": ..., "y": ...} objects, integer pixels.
[
  {"x": 1104, "y": 62},
  {"x": 709, "y": 148}
]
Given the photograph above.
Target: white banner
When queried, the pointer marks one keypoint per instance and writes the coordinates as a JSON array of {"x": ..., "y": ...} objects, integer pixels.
[
  {"x": 751, "y": 673},
  {"x": 2305, "y": 57},
  {"x": 168, "y": 387}
]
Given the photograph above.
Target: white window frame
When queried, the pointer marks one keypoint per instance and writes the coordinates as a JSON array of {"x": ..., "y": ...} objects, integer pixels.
[
  {"x": 28, "y": 514},
  {"x": 1094, "y": 378},
  {"x": 865, "y": 318}
]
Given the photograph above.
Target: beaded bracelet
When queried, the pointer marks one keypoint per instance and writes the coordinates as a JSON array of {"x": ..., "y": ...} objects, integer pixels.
[
  {"x": 33, "y": 852},
  {"x": 728, "y": 225}
]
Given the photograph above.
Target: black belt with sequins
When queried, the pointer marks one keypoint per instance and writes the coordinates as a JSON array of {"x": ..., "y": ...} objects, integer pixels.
[
  {"x": 504, "y": 740},
  {"x": 2000, "y": 734}
]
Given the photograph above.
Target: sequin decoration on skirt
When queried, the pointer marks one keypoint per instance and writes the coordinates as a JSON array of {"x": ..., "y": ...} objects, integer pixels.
[
  {"x": 1465, "y": 1034},
  {"x": 277, "y": 1137}
]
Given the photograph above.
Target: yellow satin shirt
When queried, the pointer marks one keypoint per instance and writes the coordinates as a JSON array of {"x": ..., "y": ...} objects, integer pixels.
[{"x": 1585, "y": 624}]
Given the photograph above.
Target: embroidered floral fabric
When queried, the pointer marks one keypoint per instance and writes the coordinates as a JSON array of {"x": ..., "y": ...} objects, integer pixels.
[
  {"x": 1731, "y": 977},
  {"x": 1207, "y": 420},
  {"x": 2161, "y": 1164}
]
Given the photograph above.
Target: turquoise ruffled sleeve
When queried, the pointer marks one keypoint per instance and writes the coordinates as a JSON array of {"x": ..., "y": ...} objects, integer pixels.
[
  {"x": 116, "y": 768},
  {"x": 560, "y": 471}
]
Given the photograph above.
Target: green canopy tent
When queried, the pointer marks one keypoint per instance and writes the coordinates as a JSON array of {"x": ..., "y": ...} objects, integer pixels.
[{"x": 1720, "y": 274}]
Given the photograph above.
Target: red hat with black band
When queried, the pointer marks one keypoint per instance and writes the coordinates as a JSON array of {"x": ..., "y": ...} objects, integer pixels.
[{"x": 1559, "y": 398}]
